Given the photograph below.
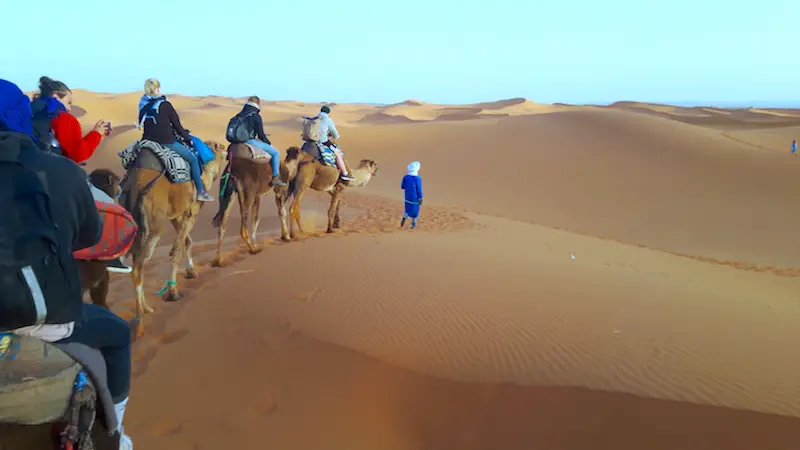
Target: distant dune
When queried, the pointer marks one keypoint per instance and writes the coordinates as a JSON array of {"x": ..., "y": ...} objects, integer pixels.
[{"x": 583, "y": 277}]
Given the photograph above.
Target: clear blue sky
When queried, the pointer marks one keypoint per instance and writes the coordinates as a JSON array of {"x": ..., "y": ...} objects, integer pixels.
[{"x": 572, "y": 51}]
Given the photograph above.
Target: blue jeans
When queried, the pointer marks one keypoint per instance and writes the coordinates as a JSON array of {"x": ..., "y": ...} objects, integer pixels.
[
  {"x": 194, "y": 165},
  {"x": 273, "y": 152},
  {"x": 105, "y": 331}
]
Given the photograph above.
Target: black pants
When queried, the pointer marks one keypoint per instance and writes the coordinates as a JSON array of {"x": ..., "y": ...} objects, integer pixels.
[{"x": 105, "y": 331}]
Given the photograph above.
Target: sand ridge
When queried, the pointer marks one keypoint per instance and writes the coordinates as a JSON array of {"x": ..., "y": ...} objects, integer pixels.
[{"x": 606, "y": 277}]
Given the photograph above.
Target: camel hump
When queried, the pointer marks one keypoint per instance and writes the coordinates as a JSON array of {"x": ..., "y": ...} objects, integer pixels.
[{"x": 249, "y": 151}]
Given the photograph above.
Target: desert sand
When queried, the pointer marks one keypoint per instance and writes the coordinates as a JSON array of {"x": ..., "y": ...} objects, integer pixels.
[{"x": 584, "y": 277}]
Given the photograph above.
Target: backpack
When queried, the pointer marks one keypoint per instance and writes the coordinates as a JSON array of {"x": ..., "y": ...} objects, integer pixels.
[
  {"x": 150, "y": 110},
  {"x": 43, "y": 133},
  {"x": 238, "y": 130},
  {"x": 32, "y": 264},
  {"x": 311, "y": 128}
]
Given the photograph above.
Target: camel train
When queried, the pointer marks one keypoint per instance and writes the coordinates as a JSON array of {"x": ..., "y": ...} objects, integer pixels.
[{"x": 150, "y": 193}]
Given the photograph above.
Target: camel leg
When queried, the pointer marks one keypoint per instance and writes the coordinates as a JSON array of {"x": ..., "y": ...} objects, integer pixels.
[
  {"x": 176, "y": 256},
  {"x": 335, "y": 199},
  {"x": 221, "y": 233},
  {"x": 191, "y": 271},
  {"x": 246, "y": 206},
  {"x": 280, "y": 202},
  {"x": 294, "y": 211},
  {"x": 141, "y": 254},
  {"x": 254, "y": 221},
  {"x": 99, "y": 291},
  {"x": 336, "y": 221},
  {"x": 149, "y": 248}
]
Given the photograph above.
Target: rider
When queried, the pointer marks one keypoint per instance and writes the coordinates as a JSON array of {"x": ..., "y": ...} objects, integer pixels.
[
  {"x": 251, "y": 114},
  {"x": 161, "y": 123},
  {"x": 58, "y": 131},
  {"x": 327, "y": 127},
  {"x": 77, "y": 226}
]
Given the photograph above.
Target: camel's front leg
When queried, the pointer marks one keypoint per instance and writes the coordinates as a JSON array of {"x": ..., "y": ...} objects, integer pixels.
[
  {"x": 336, "y": 220},
  {"x": 254, "y": 221},
  {"x": 191, "y": 271},
  {"x": 294, "y": 211},
  {"x": 280, "y": 202},
  {"x": 334, "y": 206},
  {"x": 223, "y": 223},
  {"x": 176, "y": 256}
]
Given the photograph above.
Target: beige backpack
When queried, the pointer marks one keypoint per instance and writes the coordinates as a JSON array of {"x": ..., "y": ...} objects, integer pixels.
[{"x": 311, "y": 128}]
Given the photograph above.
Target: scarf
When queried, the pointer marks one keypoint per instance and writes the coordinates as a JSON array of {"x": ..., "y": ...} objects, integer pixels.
[
  {"x": 413, "y": 168},
  {"x": 15, "y": 109},
  {"x": 146, "y": 98}
]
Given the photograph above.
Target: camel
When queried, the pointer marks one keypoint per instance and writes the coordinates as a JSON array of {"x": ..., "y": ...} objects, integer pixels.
[
  {"x": 94, "y": 276},
  {"x": 312, "y": 174},
  {"x": 154, "y": 202},
  {"x": 250, "y": 180}
]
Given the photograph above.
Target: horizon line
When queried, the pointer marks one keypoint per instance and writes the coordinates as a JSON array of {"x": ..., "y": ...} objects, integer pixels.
[{"x": 729, "y": 104}]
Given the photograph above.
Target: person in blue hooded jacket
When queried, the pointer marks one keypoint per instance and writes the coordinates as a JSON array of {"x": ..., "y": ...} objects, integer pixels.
[{"x": 412, "y": 185}]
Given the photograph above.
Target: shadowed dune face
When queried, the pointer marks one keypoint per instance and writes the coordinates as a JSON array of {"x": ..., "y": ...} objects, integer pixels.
[{"x": 583, "y": 277}]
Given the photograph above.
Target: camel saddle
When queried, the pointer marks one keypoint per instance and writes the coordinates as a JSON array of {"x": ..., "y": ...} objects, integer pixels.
[
  {"x": 38, "y": 379},
  {"x": 320, "y": 152},
  {"x": 119, "y": 231},
  {"x": 249, "y": 151}
]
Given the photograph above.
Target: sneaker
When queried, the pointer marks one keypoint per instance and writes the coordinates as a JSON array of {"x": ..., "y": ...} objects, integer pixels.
[
  {"x": 117, "y": 266},
  {"x": 204, "y": 197},
  {"x": 347, "y": 178},
  {"x": 276, "y": 182}
]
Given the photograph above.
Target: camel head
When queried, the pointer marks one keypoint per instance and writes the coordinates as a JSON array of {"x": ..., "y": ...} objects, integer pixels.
[
  {"x": 369, "y": 165},
  {"x": 107, "y": 181},
  {"x": 220, "y": 157},
  {"x": 366, "y": 169}
]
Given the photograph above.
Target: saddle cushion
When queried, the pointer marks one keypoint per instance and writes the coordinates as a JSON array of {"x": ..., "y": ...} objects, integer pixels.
[
  {"x": 320, "y": 152},
  {"x": 36, "y": 380},
  {"x": 146, "y": 154},
  {"x": 249, "y": 151},
  {"x": 119, "y": 231}
]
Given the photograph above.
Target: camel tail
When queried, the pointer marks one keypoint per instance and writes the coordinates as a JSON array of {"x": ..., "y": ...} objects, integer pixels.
[{"x": 227, "y": 187}]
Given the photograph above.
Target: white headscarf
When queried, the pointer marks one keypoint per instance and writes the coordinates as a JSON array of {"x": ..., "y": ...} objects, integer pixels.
[{"x": 413, "y": 168}]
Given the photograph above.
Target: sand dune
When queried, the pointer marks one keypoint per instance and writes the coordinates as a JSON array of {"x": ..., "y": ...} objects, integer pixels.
[{"x": 617, "y": 277}]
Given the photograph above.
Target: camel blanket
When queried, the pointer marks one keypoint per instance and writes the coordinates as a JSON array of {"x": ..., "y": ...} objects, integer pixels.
[
  {"x": 176, "y": 168},
  {"x": 320, "y": 152},
  {"x": 248, "y": 151},
  {"x": 36, "y": 379},
  {"x": 119, "y": 231}
]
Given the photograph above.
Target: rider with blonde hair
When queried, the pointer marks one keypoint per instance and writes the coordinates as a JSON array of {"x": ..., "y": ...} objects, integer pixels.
[{"x": 160, "y": 123}]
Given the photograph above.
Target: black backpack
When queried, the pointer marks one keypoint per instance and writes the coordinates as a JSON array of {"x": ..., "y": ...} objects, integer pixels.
[
  {"x": 43, "y": 131},
  {"x": 238, "y": 130},
  {"x": 32, "y": 264}
]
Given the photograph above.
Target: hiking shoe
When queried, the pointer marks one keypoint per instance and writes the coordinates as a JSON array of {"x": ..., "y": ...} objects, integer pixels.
[
  {"x": 276, "y": 182},
  {"x": 204, "y": 197},
  {"x": 117, "y": 266}
]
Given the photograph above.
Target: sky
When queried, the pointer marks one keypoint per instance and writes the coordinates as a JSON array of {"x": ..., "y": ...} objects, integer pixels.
[{"x": 570, "y": 51}]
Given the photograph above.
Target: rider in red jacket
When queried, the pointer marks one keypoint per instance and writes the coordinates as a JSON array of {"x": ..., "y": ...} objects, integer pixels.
[{"x": 58, "y": 131}]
